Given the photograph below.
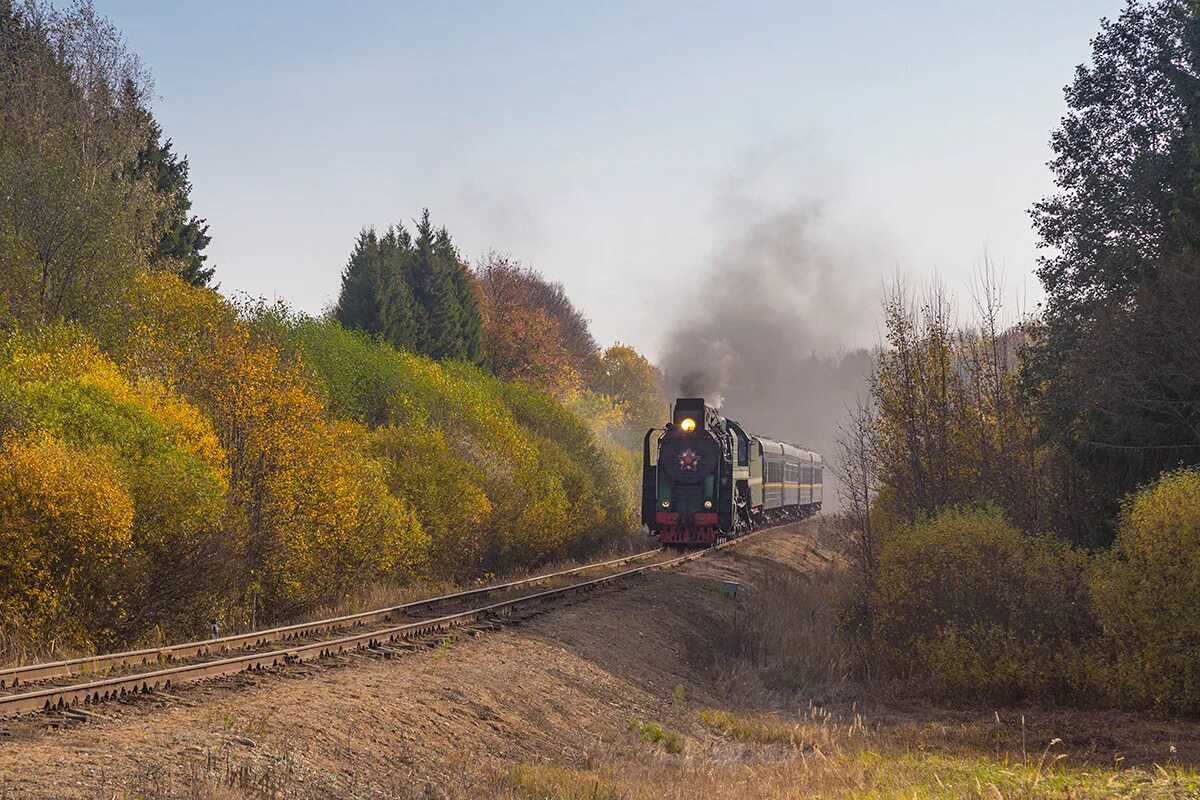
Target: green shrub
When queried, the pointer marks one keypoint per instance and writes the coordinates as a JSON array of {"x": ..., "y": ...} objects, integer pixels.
[
  {"x": 672, "y": 741},
  {"x": 1146, "y": 595},
  {"x": 967, "y": 607},
  {"x": 501, "y": 474}
]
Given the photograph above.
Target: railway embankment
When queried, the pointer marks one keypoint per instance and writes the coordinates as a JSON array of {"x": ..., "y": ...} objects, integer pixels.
[{"x": 660, "y": 686}]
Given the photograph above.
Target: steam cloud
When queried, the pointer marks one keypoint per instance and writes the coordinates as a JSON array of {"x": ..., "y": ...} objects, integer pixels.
[{"x": 766, "y": 334}]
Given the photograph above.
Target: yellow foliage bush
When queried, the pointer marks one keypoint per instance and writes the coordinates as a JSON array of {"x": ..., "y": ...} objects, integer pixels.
[
  {"x": 1146, "y": 595},
  {"x": 419, "y": 464},
  {"x": 57, "y": 382},
  {"x": 965, "y": 606},
  {"x": 259, "y": 465},
  {"x": 503, "y": 476},
  {"x": 310, "y": 510},
  {"x": 65, "y": 517}
]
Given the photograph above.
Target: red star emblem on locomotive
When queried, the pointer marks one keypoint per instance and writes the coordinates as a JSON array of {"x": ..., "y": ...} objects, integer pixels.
[{"x": 689, "y": 460}]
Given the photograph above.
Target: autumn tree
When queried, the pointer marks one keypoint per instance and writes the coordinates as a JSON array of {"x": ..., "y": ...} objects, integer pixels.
[
  {"x": 91, "y": 192},
  {"x": 71, "y": 121},
  {"x": 522, "y": 339},
  {"x": 308, "y": 503},
  {"x": 636, "y": 386},
  {"x": 551, "y": 297},
  {"x": 950, "y": 424},
  {"x": 1122, "y": 231}
]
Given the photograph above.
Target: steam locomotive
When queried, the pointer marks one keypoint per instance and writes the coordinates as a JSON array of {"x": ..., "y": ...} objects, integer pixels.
[{"x": 704, "y": 479}]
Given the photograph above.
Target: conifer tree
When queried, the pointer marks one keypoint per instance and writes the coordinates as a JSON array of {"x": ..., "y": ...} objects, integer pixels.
[
  {"x": 413, "y": 291},
  {"x": 182, "y": 236},
  {"x": 470, "y": 316},
  {"x": 468, "y": 332},
  {"x": 435, "y": 293},
  {"x": 361, "y": 302},
  {"x": 395, "y": 251}
]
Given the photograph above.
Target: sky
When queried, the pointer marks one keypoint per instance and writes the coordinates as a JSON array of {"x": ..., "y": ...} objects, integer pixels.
[{"x": 617, "y": 147}]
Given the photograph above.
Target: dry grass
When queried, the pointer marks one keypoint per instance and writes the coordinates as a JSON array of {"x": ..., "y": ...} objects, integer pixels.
[
  {"x": 863, "y": 773},
  {"x": 779, "y": 648},
  {"x": 818, "y": 755},
  {"x": 781, "y": 644}
]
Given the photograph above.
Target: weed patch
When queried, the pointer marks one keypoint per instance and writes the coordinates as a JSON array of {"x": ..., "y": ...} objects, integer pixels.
[{"x": 672, "y": 741}]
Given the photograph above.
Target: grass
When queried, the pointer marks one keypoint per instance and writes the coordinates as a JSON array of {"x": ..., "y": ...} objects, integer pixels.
[
  {"x": 557, "y": 783},
  {"x": 780, "y": 643},
  {"x": 782, "y": 649},
  {"x": 672, "y": 741},
  {"x": 757, "y": 731},
  {"x": 853, "y": 763}
]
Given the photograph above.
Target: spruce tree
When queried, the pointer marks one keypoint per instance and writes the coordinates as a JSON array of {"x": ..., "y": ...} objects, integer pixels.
[
  {"x": 434, "y": 292},
  {"x": 400, "y": 327},
  {"x": 415, "y": 292},
  {"x": 183, "y": 236},
  {"x": 361, "y": 303},
  {"x": 468, "y": 327}
]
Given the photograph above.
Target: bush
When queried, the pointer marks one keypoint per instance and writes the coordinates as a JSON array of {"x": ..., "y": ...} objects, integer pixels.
[
  {"x": 1146, "y": 593},
  {"x": 202, "y": 461},
  {"x": 308, "y": 506},
  {"x": 970, "y": 608},
  {"x": 501, "y": 474},
  {"x": 56, "y": 386},
  {"x": 65, "y": 519}
]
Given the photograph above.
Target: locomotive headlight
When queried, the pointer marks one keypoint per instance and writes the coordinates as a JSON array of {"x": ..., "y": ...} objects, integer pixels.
[
  {"x": 666, "y": 503},
  {"x": 708, "y": 503},
  {"x": 688, "y": 425}
]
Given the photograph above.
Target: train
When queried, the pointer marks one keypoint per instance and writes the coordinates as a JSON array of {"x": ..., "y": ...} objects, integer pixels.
[{"x": 706, "y": 480}]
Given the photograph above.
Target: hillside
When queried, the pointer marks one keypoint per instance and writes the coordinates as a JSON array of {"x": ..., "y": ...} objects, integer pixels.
[{"x": 660, "y": 688}]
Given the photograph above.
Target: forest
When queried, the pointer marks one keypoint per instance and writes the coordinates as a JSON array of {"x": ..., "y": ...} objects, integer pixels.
[
  {"x": 1020, "y": 493},
  {"x": 170, "y": 456},
  {"x": 1023, "y": 493}
]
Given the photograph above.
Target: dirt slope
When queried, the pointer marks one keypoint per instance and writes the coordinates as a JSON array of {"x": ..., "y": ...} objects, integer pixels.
[{"x": 443, "y": 722}]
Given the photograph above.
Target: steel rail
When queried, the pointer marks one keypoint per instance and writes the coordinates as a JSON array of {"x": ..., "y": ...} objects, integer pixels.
[
  {"x": 95, "y": 692},
  {"x": 110, "y": 662}
]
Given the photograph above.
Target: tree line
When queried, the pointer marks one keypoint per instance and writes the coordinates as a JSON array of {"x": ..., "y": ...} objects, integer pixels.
[
  {"x": 92, "y": 191},
  {"x": 415, "y": 292},
  {"x": 1024, "y": 493},
  {"x": 169, "y": 456}
]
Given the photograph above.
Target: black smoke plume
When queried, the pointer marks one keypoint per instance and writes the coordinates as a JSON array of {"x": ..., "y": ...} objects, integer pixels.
[{"x": 774, "y": 329}]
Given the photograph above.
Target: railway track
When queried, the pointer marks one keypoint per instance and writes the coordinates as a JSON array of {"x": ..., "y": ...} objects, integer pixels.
[
  {"x": 385, "y": 631},
  {"x": 161, "y": 656}
]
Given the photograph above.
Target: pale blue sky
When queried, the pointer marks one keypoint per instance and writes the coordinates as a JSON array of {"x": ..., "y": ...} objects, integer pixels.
[{"x": 602, "y": 142}]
